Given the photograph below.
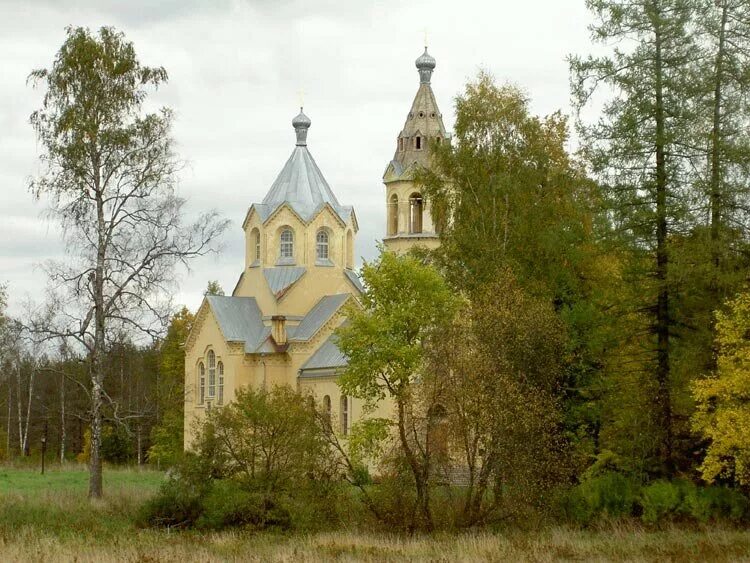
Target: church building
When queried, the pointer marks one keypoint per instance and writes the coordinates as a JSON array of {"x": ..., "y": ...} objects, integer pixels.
[{"x": 277, "y": 326}]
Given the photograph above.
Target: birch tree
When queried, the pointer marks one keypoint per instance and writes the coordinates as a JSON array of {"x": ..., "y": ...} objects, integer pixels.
[{"x": 110, "y": 173}]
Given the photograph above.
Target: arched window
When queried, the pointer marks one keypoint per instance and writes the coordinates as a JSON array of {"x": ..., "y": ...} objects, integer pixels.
[
  {"x": 416, "y": 206},
  {"x": 393, "y": 215},
  {"x": 349, "y": 250},
  {"x": 211, "y": 374},
  {"x": 220, "y": 369},
  {"x": 327, "y": 408},
  {"x": 256, "y": 245},
  {"x": 344, "y": 415},
  {"x": 286, "y": 246},
  {"x": 202, "y": 382},
  {"x": 321, "y": 245}
]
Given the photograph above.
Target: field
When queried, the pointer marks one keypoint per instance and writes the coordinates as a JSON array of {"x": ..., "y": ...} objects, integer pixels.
[{"x": 48, "y": 518}]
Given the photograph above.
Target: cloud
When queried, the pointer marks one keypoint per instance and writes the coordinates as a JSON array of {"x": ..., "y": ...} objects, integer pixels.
[{"x": 236, "y": 68}]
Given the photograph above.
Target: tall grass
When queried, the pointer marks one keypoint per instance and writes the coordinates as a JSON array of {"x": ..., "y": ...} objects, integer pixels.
[{"x": 49, "y": 518}]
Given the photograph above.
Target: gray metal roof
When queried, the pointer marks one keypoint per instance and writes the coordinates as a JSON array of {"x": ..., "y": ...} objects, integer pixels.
[
  {"x": 354, "y": 278},
  {"x": 327, "y": 356},
  {"x": 239, "y": 318},
  {"x": 319, "y": 315},
  {"x": 281, "y": 278},
  {"x": 301, "y": 185}
]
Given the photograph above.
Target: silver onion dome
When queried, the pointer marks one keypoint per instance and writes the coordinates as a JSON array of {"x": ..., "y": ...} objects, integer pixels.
[
  {"x": 301, "y": 124},
  {"x": 425, "y": 65}
]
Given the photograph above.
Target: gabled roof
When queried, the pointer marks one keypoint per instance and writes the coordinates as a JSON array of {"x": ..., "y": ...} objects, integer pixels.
[
  {"x": 354, "y": 278},
  {"x": 327, "y": 357},
  {"x": 319, "y": 315},
  {"x": 239, "y": 319},
  {"x": 281, "y": 278}
]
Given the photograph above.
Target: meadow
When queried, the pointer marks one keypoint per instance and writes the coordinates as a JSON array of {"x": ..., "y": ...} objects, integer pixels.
[{"x": 48, "y": 518}]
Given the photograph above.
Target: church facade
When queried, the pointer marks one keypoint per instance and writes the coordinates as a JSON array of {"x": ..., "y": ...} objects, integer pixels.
[{"x": 277, "y": 327}]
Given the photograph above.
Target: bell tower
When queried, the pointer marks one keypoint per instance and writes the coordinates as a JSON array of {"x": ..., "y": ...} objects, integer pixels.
[{"x": 409, "y": 222}]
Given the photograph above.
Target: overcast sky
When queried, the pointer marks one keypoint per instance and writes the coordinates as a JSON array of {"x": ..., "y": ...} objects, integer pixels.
[{"x": 235, "y": 71}]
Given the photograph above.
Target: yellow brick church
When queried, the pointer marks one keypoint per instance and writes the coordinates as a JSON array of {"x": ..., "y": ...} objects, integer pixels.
[{"x": 277, "y": 326}]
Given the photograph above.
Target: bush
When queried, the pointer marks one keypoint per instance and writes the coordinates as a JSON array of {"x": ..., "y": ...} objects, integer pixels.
[
  {"x": 608, "y": 494},
  {"x": 661, "y": 500},
  {"x": 227, "y": 505},
  {"x": 175, "y": 506}
]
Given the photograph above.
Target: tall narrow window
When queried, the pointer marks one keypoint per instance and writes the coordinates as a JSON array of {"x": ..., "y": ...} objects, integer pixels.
[
  {"x": 321, "y": 240},
  {"x": 393, "y": 215},
  {"x": 220, "y": 369},
  {"x": 286, "y": 248},
  {"x": 416, "y": 206},
  {"x": 418, "y": 143},
  {"x": 202, "y": 383},
  {"x": 327, "y": 408},
  {"x": 344, "y": 415},
  {"x": 211, "y": 374},
  {"x": 256, "y": 242}
]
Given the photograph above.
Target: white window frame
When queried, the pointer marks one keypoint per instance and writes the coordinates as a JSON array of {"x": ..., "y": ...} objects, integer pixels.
[
  {"x": 322, "y": 245},
  {"x": 286, "y": 244},
  {"x": 220, "y": 370},
  {"x": 344, "y": 408},
  {"x": 211, "y": 374},
  {"x": 202, "y": 382}
]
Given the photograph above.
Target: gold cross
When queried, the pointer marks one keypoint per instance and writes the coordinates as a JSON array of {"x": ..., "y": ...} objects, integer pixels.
[
  {"x": 425, "y": 37},
  {"x": 301, "y": 98}
]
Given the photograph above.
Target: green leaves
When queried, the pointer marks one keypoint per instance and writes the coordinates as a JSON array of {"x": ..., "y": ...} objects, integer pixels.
[{"x": 404, "y": 303}]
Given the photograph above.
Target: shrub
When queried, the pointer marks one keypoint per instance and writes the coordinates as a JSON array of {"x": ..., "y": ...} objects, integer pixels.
[
  {"x": 608, "y": 494},
  {"x": 715, "y": 503},
  {"x": 226, "y": 505},
  {"x": 662, "y": 499},
  {"x": 177, "y": 505}
]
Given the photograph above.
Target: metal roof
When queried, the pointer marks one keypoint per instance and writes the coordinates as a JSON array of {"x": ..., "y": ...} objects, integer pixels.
[
  {"x": 301, "y": 185},
  {"x": 281, "y": 278},
  {"x": 239, "y": 318},
  {"x": 354, "y": 278},
  {"x": 319, "y": 315},
  {"x": 327, "y": 356}
]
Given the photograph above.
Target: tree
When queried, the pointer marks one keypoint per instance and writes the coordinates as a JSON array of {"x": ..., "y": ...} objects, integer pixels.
[
  {"x": 213, "y": 288},
  {"x": 110, "y": 174},
  {"x": 511, "y": 199},
  {"x": 168, "y": 432},
  {"x": 404, "y": 304},
  {"x": 501, "y": 363},
  {"x": 723, "y": 415},
  {"x": 638, "y": 151},
  {"x": 268, "y": 440}
]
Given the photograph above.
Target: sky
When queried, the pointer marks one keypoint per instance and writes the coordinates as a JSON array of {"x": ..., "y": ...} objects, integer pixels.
[{"x": 236, "y": 69}]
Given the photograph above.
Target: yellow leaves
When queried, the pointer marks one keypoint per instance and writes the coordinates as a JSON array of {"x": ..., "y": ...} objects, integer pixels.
[{"x": 723, "y": 399}]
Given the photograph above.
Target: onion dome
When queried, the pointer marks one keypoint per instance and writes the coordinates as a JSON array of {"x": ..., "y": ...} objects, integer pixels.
[
  {"x": 425, "y": 65},
  {"x": 301, "y": 124}
]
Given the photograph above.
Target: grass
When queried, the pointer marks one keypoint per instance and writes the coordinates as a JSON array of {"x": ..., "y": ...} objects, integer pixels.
[{"x": 48, "y": 518}]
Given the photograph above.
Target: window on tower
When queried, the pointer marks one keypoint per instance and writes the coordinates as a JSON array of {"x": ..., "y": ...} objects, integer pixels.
[
  {"x": 286, "y": 246},
  {"x": 418, "y": 143},
  {"x": 416, "y": 208},
  {"x": 321, "y": 245}
]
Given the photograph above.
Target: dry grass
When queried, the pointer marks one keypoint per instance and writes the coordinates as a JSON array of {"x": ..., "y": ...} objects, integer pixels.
[
  {"x": 552, "y": 545},
  {"x": 52, "y": 521}
]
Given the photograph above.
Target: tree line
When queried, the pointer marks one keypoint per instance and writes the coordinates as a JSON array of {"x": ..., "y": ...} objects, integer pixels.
[{"x": 582, "y": 328}]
